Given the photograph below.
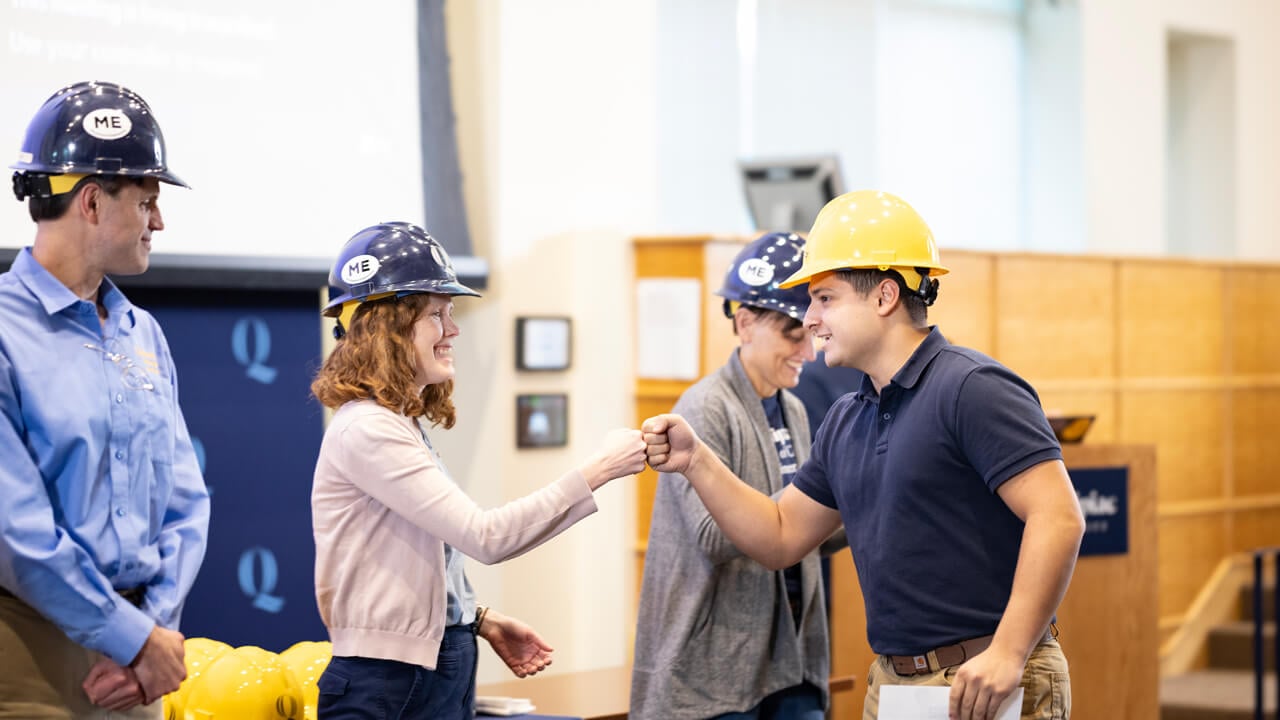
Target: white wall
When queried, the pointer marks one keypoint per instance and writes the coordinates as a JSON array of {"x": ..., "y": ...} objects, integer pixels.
[
  {"x": 1124, "y": 71},
  {"x": 556, "y": 132}
]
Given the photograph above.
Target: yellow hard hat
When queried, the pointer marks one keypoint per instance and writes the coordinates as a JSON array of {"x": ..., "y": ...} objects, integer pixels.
[
  {"x": 870, "y": 229},
  {"x": 307, "y": 660},
  {"x": 198, "y": 654},
  {"x": 247, "y": 683}
]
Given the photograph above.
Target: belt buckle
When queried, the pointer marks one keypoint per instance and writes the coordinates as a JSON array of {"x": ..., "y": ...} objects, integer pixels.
[{"x": 921, "y": 662}]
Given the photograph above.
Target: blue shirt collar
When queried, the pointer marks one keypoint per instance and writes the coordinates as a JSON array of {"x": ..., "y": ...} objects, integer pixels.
[
  {"x": 56, "y": 297},
  {"x": 909, "y": 374}
]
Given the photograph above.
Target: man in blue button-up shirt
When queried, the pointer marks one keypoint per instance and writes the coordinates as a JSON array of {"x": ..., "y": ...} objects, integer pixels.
[{"x": 104, "y": 514}]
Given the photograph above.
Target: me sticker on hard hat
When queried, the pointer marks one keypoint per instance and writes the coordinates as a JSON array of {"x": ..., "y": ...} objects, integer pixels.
[
  {"x": 107, "y": 124},
  {"x": 755, "y": 272},
  {"x": 360, "y": 268}
]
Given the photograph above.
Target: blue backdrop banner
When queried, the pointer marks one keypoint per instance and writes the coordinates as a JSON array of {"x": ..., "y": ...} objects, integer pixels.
[{"x": 245, "y": 362}]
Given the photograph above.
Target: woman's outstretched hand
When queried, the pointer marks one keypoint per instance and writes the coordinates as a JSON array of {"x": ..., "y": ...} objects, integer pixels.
[{"x": 622, "y": 454}]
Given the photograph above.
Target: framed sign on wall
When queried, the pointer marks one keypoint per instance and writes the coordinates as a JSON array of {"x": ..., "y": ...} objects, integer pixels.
[
  {"x": 542, "y": 420},
  {"x": 543, "y": 343}
]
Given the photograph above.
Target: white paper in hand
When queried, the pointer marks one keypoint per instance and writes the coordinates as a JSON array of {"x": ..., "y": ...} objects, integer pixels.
[{"x": 907, "y": 702}]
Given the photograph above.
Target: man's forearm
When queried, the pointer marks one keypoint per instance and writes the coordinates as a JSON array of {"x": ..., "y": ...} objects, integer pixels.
[
  {"x": 1046, "y": 561},
  {"x": 749, "y": 518}
]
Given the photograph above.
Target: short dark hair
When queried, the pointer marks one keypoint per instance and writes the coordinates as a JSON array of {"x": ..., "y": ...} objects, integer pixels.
[
  {"x": 864, "y": 280},
  {"x": 55, "y": 206},
  {"x": 785, "y": 322}
]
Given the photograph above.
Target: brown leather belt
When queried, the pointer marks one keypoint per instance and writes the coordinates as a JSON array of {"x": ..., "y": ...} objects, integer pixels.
[
  {"x": 947, "y": 656},
  {"x": 135, "y": 596}
]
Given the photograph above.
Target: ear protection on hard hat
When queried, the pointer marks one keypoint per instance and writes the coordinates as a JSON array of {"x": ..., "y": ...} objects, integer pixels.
[
  {"x": 870, "y": 229},
  {"x": 90, "y": 128},
  {"x": 394, "y": 258},
  {"x": 754, "y": 276}
]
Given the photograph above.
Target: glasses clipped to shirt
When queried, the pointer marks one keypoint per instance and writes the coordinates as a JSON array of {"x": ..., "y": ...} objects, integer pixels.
[{"x": 134, "y": 377}]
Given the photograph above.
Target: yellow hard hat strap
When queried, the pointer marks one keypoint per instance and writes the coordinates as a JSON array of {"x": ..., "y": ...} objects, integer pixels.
[
  {"x": 349, "y": 309},
  {"x": 59, "y": 184}
]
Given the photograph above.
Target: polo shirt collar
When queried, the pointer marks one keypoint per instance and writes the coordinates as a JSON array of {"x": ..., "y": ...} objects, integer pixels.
[{"x": 909, "y": 374}]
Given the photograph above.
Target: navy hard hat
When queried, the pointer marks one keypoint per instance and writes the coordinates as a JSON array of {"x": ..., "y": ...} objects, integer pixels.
[
  {"x": 391, "y": 258},
  {"x": 754, "y": 275},
  {"x": 91, "y": 128}
]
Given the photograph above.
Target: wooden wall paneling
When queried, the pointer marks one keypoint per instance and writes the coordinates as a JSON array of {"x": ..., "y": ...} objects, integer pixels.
[
  {"x": 1108, "y": 618},
  {"x": 1191, "y": 546},
  {"x": 1055, "y": 316},
  {"x": 966, "y": 300},
  {"x": 1171, "y": 320},
  {"x": 850, "y": 653},
  {"x": 669, "y": 256},
  {"x": 1254, "y": 529},
  {"x": 1187, "y": 425},
  {"x": 1184, "y": 355},
  {"x": 718, "y": 339},
  {"x": 1253, "y": 313},
  {"x": 658, "y": 257},
  {"x": 1256, "y": 450}
]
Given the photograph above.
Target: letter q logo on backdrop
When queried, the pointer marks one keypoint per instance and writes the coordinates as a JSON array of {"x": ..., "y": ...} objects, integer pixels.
[
  {"x": 253, "y": 363},
  {"x": 259, "y": 586}
]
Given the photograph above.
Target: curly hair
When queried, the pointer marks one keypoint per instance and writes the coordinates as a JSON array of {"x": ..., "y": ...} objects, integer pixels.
[{"x": 375, "y": 360}]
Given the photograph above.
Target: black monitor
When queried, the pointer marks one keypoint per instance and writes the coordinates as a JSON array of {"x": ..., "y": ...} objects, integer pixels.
[{"x": 786, "y": 194}]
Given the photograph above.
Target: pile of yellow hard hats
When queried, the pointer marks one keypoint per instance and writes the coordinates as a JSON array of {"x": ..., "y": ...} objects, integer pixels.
[{"x": 248, "y": 683}]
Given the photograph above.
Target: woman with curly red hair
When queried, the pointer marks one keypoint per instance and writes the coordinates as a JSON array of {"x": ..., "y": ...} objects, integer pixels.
[{"x": 391, "y": 525}]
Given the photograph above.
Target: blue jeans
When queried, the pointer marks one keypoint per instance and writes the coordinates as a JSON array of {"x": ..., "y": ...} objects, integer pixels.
[
  {"x": 802, "y": 702},
  {"x": 357, "y": 688}
]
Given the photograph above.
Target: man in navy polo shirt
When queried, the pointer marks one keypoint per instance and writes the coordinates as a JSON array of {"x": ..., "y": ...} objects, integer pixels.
[{"x": 948, "y": 479}]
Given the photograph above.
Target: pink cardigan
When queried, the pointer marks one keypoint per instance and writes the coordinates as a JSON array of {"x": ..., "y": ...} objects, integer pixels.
[{"x": 382, "y": 509}]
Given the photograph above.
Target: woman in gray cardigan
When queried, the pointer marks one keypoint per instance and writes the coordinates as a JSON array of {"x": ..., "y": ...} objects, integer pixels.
[{"x": 718, "y": 635}]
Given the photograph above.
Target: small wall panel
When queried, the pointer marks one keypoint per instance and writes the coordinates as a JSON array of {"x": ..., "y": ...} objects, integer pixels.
[
  {"x": 1171, "y": 320},
  {"x": 1187, "y": 427},
  {"x": 1253, "y": 319},
  {"x": 1253, "y": 529},
  {"x": 1055, "y": 316},
  {"x": 1190, "y": 548},
  {"x": 966, "y": 300},
  {"x": 1255, "y": 416}
]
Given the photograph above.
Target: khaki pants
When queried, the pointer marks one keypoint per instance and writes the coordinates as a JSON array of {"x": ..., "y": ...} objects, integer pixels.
[
  {"x": 1046, "y": 683},
  {"x": 41, "y": 671}
]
